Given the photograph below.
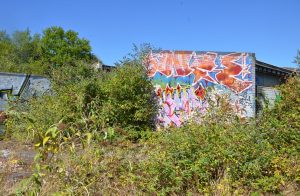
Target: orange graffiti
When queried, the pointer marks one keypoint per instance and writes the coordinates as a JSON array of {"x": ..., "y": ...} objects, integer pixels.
[
  {"x": 184, "y": 63},
  {"x": 226, "y": 76},
  {"x": 159, "y": 92},
  {"x": 169, "y": 90},
  {"x": 170, "y": 64},
  {"x": 205, "y": 61},
  {"x": 201, "y": 75}
]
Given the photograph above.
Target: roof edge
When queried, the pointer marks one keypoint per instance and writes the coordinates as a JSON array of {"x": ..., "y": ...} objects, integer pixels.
[{"x": 273, "y": 67}]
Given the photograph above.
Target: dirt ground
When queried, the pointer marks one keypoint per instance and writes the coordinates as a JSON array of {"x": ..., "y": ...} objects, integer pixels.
[{"x": 16, "y": 160}]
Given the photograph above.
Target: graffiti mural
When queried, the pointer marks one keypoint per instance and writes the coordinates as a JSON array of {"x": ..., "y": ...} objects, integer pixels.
[{"x": 182, "y": 80}]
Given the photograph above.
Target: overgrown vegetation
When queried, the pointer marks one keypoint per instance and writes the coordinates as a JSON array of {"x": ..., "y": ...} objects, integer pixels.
[
  {"x": 224, "y": 155},
  {"x": 94, "y": 135},
  {"x": 122, "y": 98}
]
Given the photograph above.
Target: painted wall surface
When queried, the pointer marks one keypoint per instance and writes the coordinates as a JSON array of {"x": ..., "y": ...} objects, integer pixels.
[
  {"x": 182, "y": 80},
  {"x": 21, "y": 85}
]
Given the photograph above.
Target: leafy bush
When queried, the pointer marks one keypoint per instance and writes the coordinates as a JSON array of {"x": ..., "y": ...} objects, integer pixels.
[
  {"x": 125, "y": 98},
  {"x": 122, "y": 98}
]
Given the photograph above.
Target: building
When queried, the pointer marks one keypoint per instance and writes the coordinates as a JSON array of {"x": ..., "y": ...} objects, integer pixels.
[
  {"x": 185, "y": 80},
  {"x": 24, "y": 86},
  {"x": 100, "y": 66}
]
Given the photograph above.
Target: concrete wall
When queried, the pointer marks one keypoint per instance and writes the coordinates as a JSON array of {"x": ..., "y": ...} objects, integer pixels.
[
  {"x": 182, "y": 80},
  {"x": 21, "y": 86}
]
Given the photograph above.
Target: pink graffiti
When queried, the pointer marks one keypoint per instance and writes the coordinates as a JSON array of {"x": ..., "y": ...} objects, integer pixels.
[{"x": 179, "y": 104}]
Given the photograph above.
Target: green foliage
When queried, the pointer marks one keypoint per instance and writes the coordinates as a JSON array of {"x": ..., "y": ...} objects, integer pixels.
[
  {"x": 126, "y": 98},
  {"x": 262, "y": 155},
  {"x": 88, "y": 107},
  {"x": 20, "y": 52},
  {"x": 61, "y": 47},
  {"x": 284, "y": 117},
  {"x": 122, "y": 98},
  {"x": 26, "y": 47},
  {"x": 224, "y": 155},
  {"x": 297, "y": 59},
  {"x": 92, "y": 136},
  {"x": 43, "y": 54}
]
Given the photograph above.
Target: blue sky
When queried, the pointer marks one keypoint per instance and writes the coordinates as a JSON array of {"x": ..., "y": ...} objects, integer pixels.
[{"x": 269, "y": 28}]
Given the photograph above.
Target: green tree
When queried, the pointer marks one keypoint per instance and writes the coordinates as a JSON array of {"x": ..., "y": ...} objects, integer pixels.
[
  {"x": 25, "y": 46},
  {"x": 6, "y": 52},
  {"x": 19, "y": 51},
  {"x": 27, "y": 49},
  {"x": 56, "y": 50},
  {"x": 60, "y": 47}
]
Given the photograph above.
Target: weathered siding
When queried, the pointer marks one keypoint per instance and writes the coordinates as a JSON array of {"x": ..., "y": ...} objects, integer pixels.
[{"x": 182, "y": 80}]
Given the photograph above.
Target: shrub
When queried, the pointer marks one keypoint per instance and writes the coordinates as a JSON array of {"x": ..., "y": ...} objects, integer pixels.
[
  {"x": 126, "y": 99},
  {"x": 94, "y": 102}
]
